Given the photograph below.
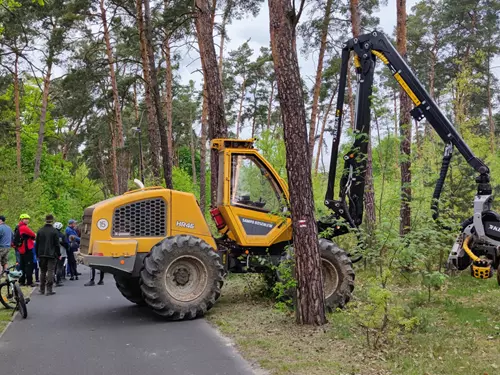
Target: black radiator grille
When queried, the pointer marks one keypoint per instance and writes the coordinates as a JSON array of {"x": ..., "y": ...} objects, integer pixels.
[{"x": 146, "y": 218}]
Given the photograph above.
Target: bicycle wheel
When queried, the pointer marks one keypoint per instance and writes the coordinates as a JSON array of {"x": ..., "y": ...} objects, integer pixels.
[
  {"x": 7, "y": 297},
  {"x": 21, "y": 303}
]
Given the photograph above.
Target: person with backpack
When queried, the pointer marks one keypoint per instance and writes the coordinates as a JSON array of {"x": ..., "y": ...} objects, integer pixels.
[
  {"x": 5, "y": 242},
  {"x": 63, "y": 248},
  {"x": 24, "y": 242},
  {"x": 71, "y": 231},
  {"x": 48, "y": 249}
]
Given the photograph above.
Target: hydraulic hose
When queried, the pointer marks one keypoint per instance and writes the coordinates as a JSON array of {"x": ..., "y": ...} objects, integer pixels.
[
  {"x": 469, "y": 252},
  {"x": 440, "y": 182}
]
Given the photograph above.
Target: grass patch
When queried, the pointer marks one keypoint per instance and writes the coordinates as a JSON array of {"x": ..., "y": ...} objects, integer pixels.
[{"x": 458, "y": 331}]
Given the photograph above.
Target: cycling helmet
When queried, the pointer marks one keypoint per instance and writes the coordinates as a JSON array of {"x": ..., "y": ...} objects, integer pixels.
[
  {"x": 58, "y": 225},
  {"x": 24, "y": 216}
]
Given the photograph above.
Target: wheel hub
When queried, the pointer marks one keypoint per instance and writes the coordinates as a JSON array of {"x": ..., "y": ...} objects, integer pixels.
[
  {"x": 186, "y": 278},
  {"x": 181, "y": 276}
]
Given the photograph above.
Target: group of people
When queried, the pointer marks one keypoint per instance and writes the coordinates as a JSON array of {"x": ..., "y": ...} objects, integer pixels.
[{"x": 49, "y": 254}]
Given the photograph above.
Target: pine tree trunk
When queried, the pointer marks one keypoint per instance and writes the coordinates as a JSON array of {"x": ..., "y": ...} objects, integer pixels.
[
  {"x": 193, "y": 158},
  {"x": 203, "y": 135},
  {"x": 218, "y": 128},
  {"x": 165, "y": 151},
  {"x": 225, "y": 17},
  {"x": 405, "y": 128},
  {"x": 355, "y": 18},
  {"x": 490, "y": 110},
  {"x": 270, "y": 107},
  {"x": 114, "y": 159},
  {"x": 153, "y": 132},
  {"x": 168, "y": 97},
  {"x": 254, "y": 108},
  {"x": 310, "y": 296},
  {"x": 203, "y": 151},
  {"x": 242, "y": 97},
  {"x": 43, "y": 116},
  {"x": 136, "y": 106},
  {"x": 18, "y": 113},
  {"x": 121, "y": 162},
  {"x": 323, "y": 126},
  {"x": 319, "y": 74}
]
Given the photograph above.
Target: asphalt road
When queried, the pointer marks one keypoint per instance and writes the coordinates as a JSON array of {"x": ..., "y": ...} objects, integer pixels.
[{"x": 94, "y": 330}]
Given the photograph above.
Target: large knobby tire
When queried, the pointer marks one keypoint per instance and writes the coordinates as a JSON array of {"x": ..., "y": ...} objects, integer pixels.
[
  {"x": 338, "y": 275},
  {"x": 181, "y": 277},
  {"x": 130, "y": 288}
]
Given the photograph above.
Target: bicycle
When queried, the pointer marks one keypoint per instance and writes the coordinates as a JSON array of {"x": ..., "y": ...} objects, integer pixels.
[{"x": 11, "y": 295}]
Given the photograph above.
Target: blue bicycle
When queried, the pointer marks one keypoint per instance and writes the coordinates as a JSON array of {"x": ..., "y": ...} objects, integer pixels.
[{"x": 11, "y": 295}]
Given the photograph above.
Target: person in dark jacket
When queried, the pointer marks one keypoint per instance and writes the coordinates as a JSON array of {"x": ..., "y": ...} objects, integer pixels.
[
  {"x": 71, "y": 268},
  {"x": 47, "y": 246},
  {"x": 63, "y": 248}
]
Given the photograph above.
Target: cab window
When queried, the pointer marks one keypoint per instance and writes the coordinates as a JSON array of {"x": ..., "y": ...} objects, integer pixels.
[{"x": 253, "y": 186}]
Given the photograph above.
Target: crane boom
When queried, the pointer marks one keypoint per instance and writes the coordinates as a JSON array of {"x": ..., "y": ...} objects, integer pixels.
[{"x": 366, "y": 48}]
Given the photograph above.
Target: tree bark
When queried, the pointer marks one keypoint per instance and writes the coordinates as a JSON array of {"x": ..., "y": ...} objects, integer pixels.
[
  {"x": 153, "y": 129},
  {"x": 43, "y": 116},
  {"x": 165, "y": 151},
  {"x": 323, "y": 126},
  {"x": 355, "y": 18},
  {"x": 114, "y": 159},
  {"x": 168, "y": 97},
  {"x": 121, "y": 163},
  {"x": 319, "y": 74},
  {"x": 310, "y": 296},
  {"x": 405, "y": 128},
  {"x": 270, "y": 107},
  {"x": 254, "y": 108},
  {"x": 225, "y": 17},
  {"x": 216, "y": 116},
  {"x": 18, "y": 113},
  {"x": 490, "y": 110},
  {"x": 203, "y": 135},
  {"x": 203, "y": 151},
  {"x": 193, "y": 154},
  {"x": 242, "y": 97}
]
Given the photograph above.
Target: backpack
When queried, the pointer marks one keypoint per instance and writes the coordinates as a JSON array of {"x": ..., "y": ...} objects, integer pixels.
[{"x": 17, "y": 240}]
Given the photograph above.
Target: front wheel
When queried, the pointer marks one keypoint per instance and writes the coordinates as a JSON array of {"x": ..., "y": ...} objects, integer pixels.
[
  {"x": 7, "y": 296},
  {"x": 21, "y": 303},
  {"x": 181, "y": 278}
]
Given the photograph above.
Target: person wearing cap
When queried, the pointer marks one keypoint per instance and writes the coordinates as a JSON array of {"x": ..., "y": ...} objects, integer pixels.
[
  {"x": 26, "y": 250},
  {"x": 5, "y": 241},
  {"x": 48, "y": 251},
  {"x": 71, "y": 267}
]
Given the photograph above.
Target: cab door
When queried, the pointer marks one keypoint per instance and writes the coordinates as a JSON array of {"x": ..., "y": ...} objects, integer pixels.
[{"x": 254, "y": 200}]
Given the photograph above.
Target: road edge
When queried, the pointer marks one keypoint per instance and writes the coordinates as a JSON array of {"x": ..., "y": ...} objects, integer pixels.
[{"x": 229, "y": 343}]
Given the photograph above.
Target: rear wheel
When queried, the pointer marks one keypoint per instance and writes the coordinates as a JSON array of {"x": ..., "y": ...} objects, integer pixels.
[
  {"x": 130, "y": 288},
  {"x": 338, "y": 275},
  {"x": 181, "y": 278}
]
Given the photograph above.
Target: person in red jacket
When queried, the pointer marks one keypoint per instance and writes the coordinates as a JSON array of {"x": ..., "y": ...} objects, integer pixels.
[{"x": 25, "y": 248}]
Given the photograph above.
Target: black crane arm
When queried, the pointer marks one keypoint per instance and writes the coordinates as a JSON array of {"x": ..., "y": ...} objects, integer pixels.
[{"x": 352, "y": 185}]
